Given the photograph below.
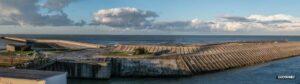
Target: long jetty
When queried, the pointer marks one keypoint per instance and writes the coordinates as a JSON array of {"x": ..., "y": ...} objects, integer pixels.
[{"x": 58, "y": 42}]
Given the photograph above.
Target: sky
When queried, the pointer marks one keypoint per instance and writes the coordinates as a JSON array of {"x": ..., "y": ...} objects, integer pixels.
[{"x": 150, "y": 17}]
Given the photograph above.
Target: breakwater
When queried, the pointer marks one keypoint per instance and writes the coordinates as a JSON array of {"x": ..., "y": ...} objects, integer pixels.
[
  {"x": 206, "y": 59},
  {"x": 185, "y": 60},
  {"x": 63, "y": 43},
  {"x": 210, "y": 58}
]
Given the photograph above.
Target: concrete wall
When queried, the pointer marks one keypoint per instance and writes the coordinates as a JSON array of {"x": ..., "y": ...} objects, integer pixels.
[
  {"x": 10, "y": 48},
  {"x": 81, "y": 70},
  {"x": 147, "y": 67}
]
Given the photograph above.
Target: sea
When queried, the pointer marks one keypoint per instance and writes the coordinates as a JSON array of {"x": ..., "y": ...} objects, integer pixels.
[{"x": 266, "y": 73}]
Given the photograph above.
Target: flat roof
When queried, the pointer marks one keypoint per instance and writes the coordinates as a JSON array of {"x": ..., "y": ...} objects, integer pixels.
[{"x": 27, "y": 74}]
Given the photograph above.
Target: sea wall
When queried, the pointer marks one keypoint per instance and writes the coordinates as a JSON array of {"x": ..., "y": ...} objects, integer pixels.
[
  {"x": 207, "y": 59},
  {"x": 188, "y": 60},
  {"x": 147, "y": 67},
  {"x": 212, "y": 58}
]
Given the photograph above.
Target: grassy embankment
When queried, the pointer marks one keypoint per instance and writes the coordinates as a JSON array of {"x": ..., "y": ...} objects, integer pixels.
[
  {"x": 118, "y": 53},
  {"x": 139, "y": 52},
  {"x": 12, "y": 58}
]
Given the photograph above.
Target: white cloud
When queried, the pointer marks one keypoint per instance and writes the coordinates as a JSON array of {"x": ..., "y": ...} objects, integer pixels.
[
  {"x": 278, "y": 22},
  {"x": 138, "y": 19},
  {"x": 124, "y": 17},
  {"x": 26, "y": 12},
  {"x": 57, "y": 5},
  {"x": 277, "y": 17}
]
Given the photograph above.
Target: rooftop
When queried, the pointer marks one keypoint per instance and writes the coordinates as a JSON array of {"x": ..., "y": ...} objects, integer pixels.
[{"x": 27, "y": 74}]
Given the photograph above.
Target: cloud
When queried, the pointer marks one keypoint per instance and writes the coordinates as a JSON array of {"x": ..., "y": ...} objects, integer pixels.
[
  {"x": 124, "y": 17},
  {"x": 277, "y": 17},
  {"x": 57, "y": 5},
  {"x": 276, "y": 22},
  {"x": 235, "y": 19},
  {"x": 26, "y": 12},
  {"x": 139, "y": 19}
]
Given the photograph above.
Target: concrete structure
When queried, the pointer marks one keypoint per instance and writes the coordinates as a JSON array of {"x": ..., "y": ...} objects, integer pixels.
[
  {"x": 184, "y": 60},
  {"x": 17, "y": 47},
  {"x": 204, "y": 59},
  {"x": 82, "y": 70},
  {"x": 18, "y": 76},
  {"x": 208, "y": 58}
]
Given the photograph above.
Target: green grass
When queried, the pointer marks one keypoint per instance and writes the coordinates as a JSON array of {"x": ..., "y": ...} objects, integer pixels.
[
  {"x": 6, "y": 62},
  {"x": 17, "y": 53},
  {"x": 5, "y": 65},
  {"x": 117, "y": 53},
  {"x": 126, "y": 54}
]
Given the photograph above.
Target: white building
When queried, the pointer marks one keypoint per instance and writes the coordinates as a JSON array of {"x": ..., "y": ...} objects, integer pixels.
[{"x": 18, "y": 76}]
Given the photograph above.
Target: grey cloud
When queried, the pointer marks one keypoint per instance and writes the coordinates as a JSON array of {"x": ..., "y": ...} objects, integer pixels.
[
  {"x": 175, "y": 24},
  {"x": 235, "y": 19},
  {"x": 275, "y": 21},
  {"x": 57, "y": 5},
  {"x": 26, "y": 12},
  {"x": 247, "y": 19},
  {"x": 81, "y": 23}
]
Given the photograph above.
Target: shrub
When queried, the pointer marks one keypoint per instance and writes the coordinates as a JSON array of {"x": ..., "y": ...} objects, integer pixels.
[
  {"x": 117, "y": 53},
  {"x": 140, "y": 51},
  {"x": 161, "y": 52}
]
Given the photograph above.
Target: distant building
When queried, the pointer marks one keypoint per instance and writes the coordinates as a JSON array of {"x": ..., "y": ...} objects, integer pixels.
[{"x": 18, "y": 76}]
